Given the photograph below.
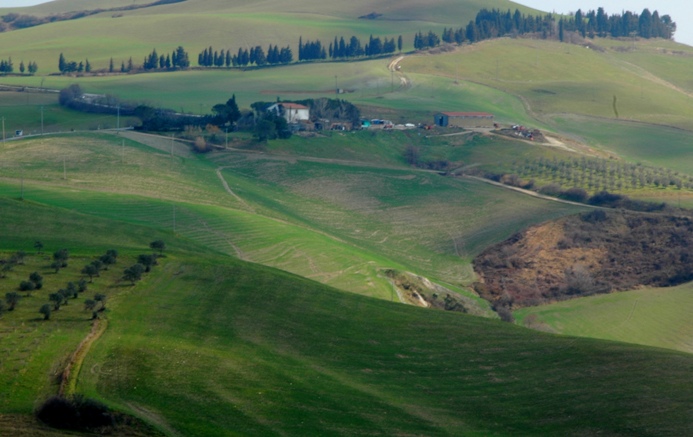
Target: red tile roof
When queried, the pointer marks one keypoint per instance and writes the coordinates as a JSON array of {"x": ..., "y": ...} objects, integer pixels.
[{"x": 290, "y": 105}]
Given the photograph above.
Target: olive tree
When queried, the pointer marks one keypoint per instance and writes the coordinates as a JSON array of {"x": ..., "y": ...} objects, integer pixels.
[
  {"x": 46, "y": 311},
  {"x": 12, "y": 298}
]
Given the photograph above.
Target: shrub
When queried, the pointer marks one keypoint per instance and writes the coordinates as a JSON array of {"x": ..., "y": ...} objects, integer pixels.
[
  {"x": 200, "y": 145},
  {"x": 505, "y": 314},
  {"x": 37, "y": 279},
  {"x": 77, "y": 413},
  {"x": 575, "y": 195},
  {"x": 27, "y": 286},
  {"x": 604, "y": 198},
  {"x": 596, "y": 216},
  {"x": 550, "y": 190}
]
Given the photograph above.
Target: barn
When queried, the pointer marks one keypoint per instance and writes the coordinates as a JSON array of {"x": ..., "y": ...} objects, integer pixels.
[{"x": 464, "y": 119}]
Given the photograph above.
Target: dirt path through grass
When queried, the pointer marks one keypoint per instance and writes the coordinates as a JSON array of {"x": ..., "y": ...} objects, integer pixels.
[
  {"x": 230, "y": 191},
  {"x": 394, "y": 67},
  {"x": 534, "y": 194},
  {"x": 71, "y": 372}
]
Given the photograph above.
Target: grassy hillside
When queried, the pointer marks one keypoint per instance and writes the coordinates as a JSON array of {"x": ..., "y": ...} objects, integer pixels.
[
  {"x": 210, "y": 345},
  {"x": 196, "y": 24},
  {"x": 240, "y": 350},
  {"x": 285, "y": 213},
  {"x": 33, "y": 351},
  {"x": 22, "y": 111},
  {"x": 555, "y": 78},
  {"x": 655, "y": 317}
]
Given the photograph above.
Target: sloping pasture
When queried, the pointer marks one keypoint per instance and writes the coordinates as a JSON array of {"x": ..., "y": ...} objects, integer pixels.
[
  {"x": 563, "y": 78},
  {"x": 198, "y": 24},
  {"x": 233, "y": 349},
  {"x": 654, "y": 316}
]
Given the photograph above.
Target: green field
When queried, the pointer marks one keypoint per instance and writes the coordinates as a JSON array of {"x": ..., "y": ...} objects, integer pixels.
[
  {"x": 660, "y": 146},
  {"x": 555, "y": 78},
  {"x": 237, "y": 355},
  {"x": 282, "y": 212},
  {"x": 272, "y": 313},
  {"x": 22, "y": 111},
  {"x": 223, "y": 24},
  {"x": 211, "y": 345},
  {"x": 655, "y": 317}
]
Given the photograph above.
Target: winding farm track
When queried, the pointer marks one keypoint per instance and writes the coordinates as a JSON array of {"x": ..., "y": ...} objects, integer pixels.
[
  {"x": 394, "y": 67},
  {"x": 71, "y": 372},
  {"x": 230, "y": 191},
  {"x": 533, "y": 194}
]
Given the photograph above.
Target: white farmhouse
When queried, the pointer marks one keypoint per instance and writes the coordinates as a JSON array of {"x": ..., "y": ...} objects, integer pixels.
[{"x": 292, "y": 112}]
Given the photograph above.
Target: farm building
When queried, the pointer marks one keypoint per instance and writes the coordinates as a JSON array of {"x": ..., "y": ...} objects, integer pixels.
[
  {"x": 292, "y": 112},
  {"x": 464, "y": 119}
]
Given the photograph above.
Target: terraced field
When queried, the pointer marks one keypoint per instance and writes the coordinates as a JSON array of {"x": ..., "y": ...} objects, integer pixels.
[{"x": 282, "y": 212}]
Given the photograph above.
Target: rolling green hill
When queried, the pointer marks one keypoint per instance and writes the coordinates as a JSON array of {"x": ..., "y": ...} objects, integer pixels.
[
  {"x": 272, "y": 313},
  {"x": 238, "y": 351},
  {"x": 642, "y": 316},
  {"x": 555, "y": 79},
  {"x": 207, "y": 344},
  {"x": 283, "y": 212},
  {"x": 197, "y": 24}
]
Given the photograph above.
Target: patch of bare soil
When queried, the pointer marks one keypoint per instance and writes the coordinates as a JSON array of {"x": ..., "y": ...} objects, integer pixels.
[
  {"x": 419, "y": 291},
  {"x": 595, "y": 252}
]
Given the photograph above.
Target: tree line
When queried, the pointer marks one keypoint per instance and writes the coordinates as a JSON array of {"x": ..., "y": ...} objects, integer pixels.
[
  {"x": 177, "y": 59},
  {"x": 255, "y": 55},
  {"x": 645, "y": 25},
  {"x": 7, "y": 66},
  {"x": 340, "y": 49},
  {"x": 66, "y": 66},
  {"x": 495, "y": 23}
]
